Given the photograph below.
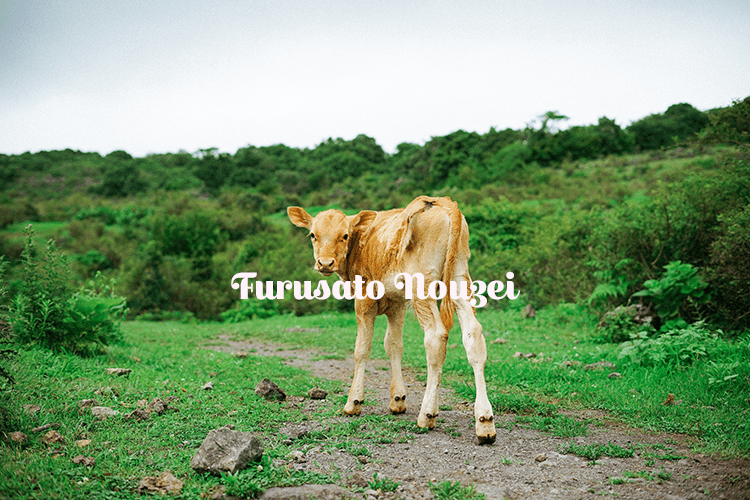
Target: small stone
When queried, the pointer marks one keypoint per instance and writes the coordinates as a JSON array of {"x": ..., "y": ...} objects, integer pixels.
[
  {"x": 18, "y": 437},
  {"x": 614, "y": 375},
  {"x": 103, "y": 412},
  {"x": 599, "y": 365},
  {"x": 53, "y": 437},
  {"x": 317, "y": 491},
  {"x": 82, "y": 460},
  {"x": 159, "y": 406},
  {"x": 83, "y": 442},
  {"x": 119, "y": 372},
  {"x": 87, "y": 403},
  {"x": 31, "y": 409},
  {"x": 269, "y": 391},
  {"x": 528, "y": 312},
  {"x": 208, "y": 386},
  {"x": 541, "y": 457},
  {"x": 357, "y": 480},
  {"x": 317, "y": 393},
  {"x": 139, "y": 415},
  {"x": 240, "y": 355},
  {"x": 164, "y": 483},
  {"x": 225, "y": 450}
]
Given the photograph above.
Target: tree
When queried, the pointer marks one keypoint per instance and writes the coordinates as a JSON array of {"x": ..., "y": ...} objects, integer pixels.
[{"x": 679, "y": 122}]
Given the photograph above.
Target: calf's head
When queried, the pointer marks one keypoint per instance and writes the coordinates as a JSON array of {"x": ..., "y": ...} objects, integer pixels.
[{"x": 331, "y": 233}]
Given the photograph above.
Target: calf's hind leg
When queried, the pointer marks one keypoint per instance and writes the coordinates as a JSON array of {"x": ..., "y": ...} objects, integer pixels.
[
  {"x": 394, "y": 347},
  {"x": 476, "y": 352},
  {"x": 435, "y": 342}
]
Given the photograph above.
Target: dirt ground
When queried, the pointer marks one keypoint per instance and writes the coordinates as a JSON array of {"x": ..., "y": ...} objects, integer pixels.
[{"x": 522, "y": 463}]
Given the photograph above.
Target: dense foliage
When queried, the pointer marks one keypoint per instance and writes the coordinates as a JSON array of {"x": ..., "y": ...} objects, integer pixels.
[{"x": 593, "y": 214}]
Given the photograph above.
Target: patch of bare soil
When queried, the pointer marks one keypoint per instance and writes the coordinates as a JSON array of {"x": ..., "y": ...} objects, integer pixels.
[{"x": 523, "y": 463}]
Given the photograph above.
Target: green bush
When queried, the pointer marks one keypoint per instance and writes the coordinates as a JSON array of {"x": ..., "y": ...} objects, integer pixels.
[
  {"x": 251, "y": 309},
  {"x": 675, "y": 348},
  {"x": 47, "y": 312},
  {"x": 729, "y": 270},
  {"x": 677, "y": 294},
  {"x": 7, "y": 352}
]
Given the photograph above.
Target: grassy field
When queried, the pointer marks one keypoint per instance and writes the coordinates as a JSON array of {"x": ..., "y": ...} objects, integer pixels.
[{"x": 168, "y": 363}]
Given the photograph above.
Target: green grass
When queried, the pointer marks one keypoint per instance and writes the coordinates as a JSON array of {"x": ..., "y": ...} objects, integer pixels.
[
  {"x": 448, "y": 490},
  {"x": 595, "y": 451},
  {"x": 168, "y": 362}
]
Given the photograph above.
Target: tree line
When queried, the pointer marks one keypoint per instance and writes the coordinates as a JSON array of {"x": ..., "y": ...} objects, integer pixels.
[{"x": 579, "y": 214}]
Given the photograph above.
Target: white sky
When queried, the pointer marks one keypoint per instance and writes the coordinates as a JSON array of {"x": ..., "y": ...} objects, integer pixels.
[{"x": 157, "y": 76}]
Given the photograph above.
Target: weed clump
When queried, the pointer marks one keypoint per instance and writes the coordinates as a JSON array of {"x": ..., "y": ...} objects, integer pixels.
[{"x": 49, "y": 313}]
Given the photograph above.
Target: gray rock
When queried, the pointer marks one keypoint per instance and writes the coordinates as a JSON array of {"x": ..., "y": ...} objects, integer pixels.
[
  {"x": 269, "y": 391},
  {"x": 102, "y": 412},
  {"x": 225, "y": 450},
  {"x": 308, "y": 491}
]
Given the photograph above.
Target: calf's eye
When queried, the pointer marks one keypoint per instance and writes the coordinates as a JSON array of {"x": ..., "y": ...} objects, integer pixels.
[{"x": 346, "y": 237}]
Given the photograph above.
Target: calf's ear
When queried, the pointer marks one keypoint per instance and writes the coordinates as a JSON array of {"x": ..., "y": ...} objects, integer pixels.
[
  {"x": 363, "y": 220},
  {"x": 299, "y": 217}
]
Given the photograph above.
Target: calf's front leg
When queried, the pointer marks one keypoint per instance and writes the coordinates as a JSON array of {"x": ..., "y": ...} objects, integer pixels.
[{"x": 365, "y": 310}]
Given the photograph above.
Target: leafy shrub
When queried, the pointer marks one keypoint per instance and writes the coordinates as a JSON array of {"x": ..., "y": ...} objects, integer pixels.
[
  {"x": 251, "y": 309},
  {"x": 730, "y": 125},
  {"x": 613, "y": 282},
  {"x": 679, "y": 288},
  {"x": 674, "y": 348},
  {"x": 121, "y": 180},
  {"x": 7, "y": 352},
  {"x": 729, "y": 269},
  {"x": 49, "y": 313},
  {"x": 623, "y": 322}
]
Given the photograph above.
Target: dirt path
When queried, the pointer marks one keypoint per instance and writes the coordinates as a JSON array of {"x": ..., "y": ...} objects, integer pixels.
[{"x": 523, "y": 463}]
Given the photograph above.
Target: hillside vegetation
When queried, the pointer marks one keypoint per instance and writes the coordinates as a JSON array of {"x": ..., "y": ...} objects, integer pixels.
[{"x": 588, "y": 214}]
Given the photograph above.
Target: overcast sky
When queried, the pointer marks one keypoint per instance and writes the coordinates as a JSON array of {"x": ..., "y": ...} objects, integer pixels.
[{"x": 157, "y": 76}]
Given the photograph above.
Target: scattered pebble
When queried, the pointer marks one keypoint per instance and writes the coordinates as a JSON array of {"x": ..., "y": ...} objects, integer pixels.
[
  {"x": 103, "y": 412},
  {"x": 317, "y": 393},
  {"x": 18, "y": 437},
  {"x": 31, "y": 409},
  {"x": 120, "y": 372},
  {"x": 82, "y": 460},
  {"x": 53, "y": 437}
]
